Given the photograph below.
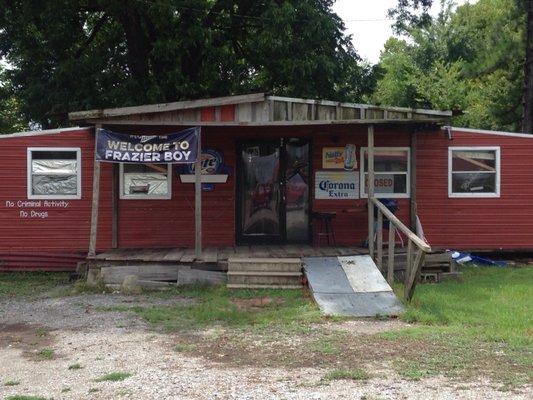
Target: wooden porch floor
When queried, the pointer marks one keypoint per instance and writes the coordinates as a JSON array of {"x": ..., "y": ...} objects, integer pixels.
[{"x": 221, "y": 254}]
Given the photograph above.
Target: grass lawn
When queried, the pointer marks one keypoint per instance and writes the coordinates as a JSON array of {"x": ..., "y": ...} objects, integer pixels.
[
  {"x": 25, "y": 284},
  {"x": 490, "y": 304},
  {"x": 479, "y": 326},
  {"x": 221, "y": 307}
]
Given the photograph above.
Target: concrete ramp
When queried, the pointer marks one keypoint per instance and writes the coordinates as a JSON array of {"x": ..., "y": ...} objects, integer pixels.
[{"x": 350, "y": 286}]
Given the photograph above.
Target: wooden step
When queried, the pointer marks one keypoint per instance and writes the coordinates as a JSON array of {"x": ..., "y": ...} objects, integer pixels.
[
  {"x": 262, "y": 273},
  {"x": 264, "y": 280},
  {"x": 265, "y": 264},
  {"x": 255, "y": 286}
]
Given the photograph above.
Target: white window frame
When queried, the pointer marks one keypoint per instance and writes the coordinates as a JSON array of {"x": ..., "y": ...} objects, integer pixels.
[
  {"x": 385, "y": 195},
  {"x": 29, "y": 158},
  {"x": 140, "y": 196},
  {"x": 496, "y": 149}
]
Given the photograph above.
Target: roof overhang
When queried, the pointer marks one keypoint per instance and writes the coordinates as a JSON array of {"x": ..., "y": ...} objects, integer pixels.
[{"x": 258, "y": 109}]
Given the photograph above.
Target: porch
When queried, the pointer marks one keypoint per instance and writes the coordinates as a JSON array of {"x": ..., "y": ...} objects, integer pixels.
[
  {"x": 217, "y": 257},
  {"x": 312, "y": 125}
]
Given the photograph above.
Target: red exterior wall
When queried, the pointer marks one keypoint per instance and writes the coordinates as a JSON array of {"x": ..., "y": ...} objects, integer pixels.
[
  {"x": 170, "y": 223},
  {"x": 58, "y": 241},
  {"x": 476, "y": 223}
]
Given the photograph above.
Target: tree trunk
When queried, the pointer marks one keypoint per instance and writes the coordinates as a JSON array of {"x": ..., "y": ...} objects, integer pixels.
[{"x": 527, "y": 122}]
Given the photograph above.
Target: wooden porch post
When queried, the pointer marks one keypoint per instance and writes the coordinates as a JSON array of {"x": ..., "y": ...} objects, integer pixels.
[
  {"x": 412, "y": 177},
  {"x": 96, "y": 197},
  {"x": 198, "y": 199},
  {"x": 115, "y": 192},
  {"x": 370, "y": 150}
]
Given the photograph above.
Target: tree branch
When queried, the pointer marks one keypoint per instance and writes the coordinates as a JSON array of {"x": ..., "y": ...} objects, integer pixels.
[{"x": 97, "y": 27}]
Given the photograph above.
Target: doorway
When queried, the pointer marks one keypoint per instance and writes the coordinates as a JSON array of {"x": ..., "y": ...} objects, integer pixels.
[{"x": 273, "y": 191}]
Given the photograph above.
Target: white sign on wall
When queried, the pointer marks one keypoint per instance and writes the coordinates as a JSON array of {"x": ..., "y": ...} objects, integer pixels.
[{"x": 336, "y": 185}]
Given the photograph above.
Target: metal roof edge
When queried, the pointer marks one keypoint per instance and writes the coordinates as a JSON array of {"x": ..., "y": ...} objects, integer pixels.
[
  {"x": 489, "y": 132},
  {"x": 436, "y": 120},
  {"x": 42, "y": 132}
]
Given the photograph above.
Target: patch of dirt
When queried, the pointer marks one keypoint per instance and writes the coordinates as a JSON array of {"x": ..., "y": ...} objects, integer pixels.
[
  {"x": 354, "y": 343},
  {"x": 84, "y": 311},
  {"x": 256, "y": 302},
  {"x": 28, "y": 338},
  {"x": 367, "y": 326}
]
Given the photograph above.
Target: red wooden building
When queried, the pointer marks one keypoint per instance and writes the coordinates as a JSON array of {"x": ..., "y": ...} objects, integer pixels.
[{"x": 268, "y": 165}]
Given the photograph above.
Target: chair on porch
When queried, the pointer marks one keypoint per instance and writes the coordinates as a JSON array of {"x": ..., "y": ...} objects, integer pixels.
[{"x": 323, "y": 228}]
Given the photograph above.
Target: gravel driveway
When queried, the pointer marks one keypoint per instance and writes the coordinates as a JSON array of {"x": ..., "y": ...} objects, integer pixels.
[{"x": 94, "y": 343}]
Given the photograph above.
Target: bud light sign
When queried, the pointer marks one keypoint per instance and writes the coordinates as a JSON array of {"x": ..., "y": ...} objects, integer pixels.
[{"x": 333, "y": 185}]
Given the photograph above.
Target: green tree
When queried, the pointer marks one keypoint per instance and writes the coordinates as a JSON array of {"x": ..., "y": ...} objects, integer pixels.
[
  {"x": 469, "y": 60},
  {"x": 476, "y": 33},
  {"x": 11, "y": 118},
  {"x": 79, "y": 54}
]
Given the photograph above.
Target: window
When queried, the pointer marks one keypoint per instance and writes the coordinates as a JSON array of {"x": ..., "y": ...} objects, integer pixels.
[
  {"x": 145, "y": 181},
  {"x": 474, "y": 172},
  {"x": 54, "y": 173},
  {"x": 391, "y": 172}
]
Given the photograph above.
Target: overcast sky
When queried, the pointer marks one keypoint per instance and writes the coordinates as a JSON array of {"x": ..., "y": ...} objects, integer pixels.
[{"x": 366, "y": 21}]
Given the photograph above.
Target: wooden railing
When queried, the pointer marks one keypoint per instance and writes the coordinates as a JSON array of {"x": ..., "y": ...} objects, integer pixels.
[{"x": 416, "y": 248}]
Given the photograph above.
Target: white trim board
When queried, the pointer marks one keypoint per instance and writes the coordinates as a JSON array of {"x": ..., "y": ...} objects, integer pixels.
[
  {"x": 471, "y": 195},
  {"x": 42, "y": 132},
  {"x": 212, "y": 178},
  {"x": 487, "y": 132}
]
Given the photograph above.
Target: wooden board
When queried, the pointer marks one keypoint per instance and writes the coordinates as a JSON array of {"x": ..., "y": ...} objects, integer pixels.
[
  {"x": 148, "y": 272},
  {"x": 210, "y": 255},
  {"x": 187, "y": 276},
  {"x": 174, "y": 255},
  {"x": 188, "y": 256}
]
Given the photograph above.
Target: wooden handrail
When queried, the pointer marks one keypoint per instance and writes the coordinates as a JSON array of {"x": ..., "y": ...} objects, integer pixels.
[
  {"x": 400, "y": 225},
  {"x": 415, "y": 259}
]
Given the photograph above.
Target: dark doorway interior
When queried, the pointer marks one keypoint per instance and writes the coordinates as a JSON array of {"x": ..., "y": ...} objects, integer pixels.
[{"x": 273, "y": 191}]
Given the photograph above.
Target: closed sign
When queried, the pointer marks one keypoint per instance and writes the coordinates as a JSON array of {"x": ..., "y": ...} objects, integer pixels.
[
  {"x": 383, "y": 183},
  {"x": 333, "y": 185}
]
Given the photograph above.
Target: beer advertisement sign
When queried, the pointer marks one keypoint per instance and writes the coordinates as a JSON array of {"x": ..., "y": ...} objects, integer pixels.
[{"x": 336, "y": 185}]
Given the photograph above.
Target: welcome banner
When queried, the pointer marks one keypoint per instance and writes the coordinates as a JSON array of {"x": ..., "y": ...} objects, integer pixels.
[{"x": 175, "y": 148}]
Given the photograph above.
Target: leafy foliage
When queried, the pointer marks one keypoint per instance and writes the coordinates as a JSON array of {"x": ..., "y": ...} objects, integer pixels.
[
  {"x": 11, "y": 117},
  {"x": 470, "y": 60},
  {"x": 77, "y": 54},
  {"x": 409, "y": 13}
]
